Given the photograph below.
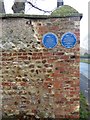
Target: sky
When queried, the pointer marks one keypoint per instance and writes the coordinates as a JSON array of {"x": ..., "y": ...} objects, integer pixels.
[{"x": 81, "y": 6}]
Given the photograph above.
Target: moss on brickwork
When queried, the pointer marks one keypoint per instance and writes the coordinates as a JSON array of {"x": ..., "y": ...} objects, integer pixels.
[
  {"x": 20, "y": 15},
  {"x": 65, "y": 11}
]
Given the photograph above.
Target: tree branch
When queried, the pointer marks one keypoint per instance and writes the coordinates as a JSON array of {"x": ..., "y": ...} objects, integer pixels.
[{"x": 38, "y": 7}]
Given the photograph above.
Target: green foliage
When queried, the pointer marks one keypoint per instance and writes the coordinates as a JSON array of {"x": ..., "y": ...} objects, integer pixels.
[
  {"x": 85, "y": 58},
  {"x": 85, "y": 55},
  {"x": 65, "y": 11},
  {"x": 84, "y": 108},
  {"x": 85, "y": 61}
]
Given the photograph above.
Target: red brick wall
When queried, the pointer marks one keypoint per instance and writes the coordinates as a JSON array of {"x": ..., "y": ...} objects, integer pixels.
[{"x": 35, "y": 80}]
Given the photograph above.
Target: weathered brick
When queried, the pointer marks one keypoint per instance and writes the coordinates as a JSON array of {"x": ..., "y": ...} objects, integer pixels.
[{"x": 43, "y": 81}]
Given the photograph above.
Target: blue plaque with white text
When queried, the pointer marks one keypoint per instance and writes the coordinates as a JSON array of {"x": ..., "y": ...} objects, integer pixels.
[
  {"x": 68, "y": 40},
  {"x": 50, "y": 40}
]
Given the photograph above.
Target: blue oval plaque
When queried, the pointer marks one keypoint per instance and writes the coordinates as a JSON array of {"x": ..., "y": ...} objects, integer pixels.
[
  {"x": 50, "y": 40},
  {"x": 68, "y": 40}
]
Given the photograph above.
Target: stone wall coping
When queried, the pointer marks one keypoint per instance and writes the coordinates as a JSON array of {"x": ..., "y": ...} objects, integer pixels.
[{"x": 27, "y": 16}]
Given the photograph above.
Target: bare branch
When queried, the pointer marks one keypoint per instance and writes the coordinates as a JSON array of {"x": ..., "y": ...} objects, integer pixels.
[{"x": 38, "y": 7}]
